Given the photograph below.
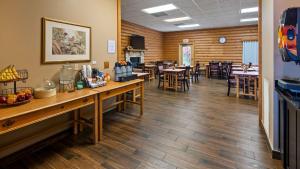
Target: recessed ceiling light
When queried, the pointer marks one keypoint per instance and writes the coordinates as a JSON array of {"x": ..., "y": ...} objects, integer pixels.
[
  {"x": 188, "y": 26},
  {"x": 178, "y": 19},
  {"x": 249, "y": 10},
  {"x": 249, "y": 20},
  {"x": 161, "y": 8}
]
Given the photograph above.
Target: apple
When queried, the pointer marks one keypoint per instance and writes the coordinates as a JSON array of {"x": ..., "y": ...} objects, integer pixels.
[
  {"x": 28, "y": 96},
  {"x": 21, "y": 97},
  {"x": 3, "y": 100}
]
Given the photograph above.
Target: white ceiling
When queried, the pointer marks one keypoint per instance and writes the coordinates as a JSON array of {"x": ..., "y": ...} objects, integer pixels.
[{"x": 207, "y": 13}]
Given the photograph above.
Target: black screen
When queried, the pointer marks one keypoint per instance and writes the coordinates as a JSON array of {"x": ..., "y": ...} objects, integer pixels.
[
  {"x": 137, "y": 42},
  {"x": 290, "y": 17}
]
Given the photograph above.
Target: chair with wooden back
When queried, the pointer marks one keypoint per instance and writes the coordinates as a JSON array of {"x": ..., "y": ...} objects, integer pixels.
[
  {"x": 160, "y": 75},
  {"x": 184, "y": 78},
  {"x": 214, "y": 69},
  {"x": 231, "y": 82},
  {"x": 196, "y": 73},
  {"x": 223, "y": 69}
]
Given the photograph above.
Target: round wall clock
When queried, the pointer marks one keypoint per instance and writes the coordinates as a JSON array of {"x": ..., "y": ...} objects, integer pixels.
[{"x": 222, "y": 39}]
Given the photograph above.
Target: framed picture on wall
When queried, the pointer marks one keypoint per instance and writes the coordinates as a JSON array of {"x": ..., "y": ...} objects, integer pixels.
[{"x": 65, "y": 42}]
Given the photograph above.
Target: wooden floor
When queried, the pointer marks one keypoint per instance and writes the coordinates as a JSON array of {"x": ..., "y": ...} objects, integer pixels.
[{"x": 202, "y": 128}]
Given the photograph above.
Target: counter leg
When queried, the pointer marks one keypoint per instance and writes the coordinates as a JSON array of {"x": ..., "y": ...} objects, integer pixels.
[
  {"x": 134, "y": 95},
  {"x": 124, "y": 101},
  {"x": 96, "y": 136},
  {"x": 100, "y": 117},
  {"x": 75, "y": 131},
  {"x": 142, "y": 98},
  {"x": 79, "y": 118},
  {"x": 119, "y": 98}
]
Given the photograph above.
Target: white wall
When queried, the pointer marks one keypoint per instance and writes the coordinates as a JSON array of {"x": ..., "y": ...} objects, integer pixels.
[{"x": 268, "y": 65}]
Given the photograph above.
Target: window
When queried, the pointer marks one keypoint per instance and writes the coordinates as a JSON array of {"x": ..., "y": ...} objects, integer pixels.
[
  {"x": 187, "y": 55},
  {"x": 250, "y": 52}
]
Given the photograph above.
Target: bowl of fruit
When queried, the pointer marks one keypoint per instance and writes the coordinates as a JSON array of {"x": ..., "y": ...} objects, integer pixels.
[{"x": 10, "y": 98}]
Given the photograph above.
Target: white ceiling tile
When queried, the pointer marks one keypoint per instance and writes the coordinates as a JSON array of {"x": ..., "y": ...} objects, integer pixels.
[{"x": 207, "y": 13}]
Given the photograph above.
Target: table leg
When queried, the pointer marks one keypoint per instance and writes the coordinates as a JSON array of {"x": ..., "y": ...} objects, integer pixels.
[
  {"x": 153, "y": 73},
  {"x": 133, "y": 95},
  {"x": 207, "y": 72},
  {"x": 124, "y": 101},
  {"x": 96, "y": 136},
  {"x": 142, "y": 99},
  {"x": 165, "y": 80},
  {"x": 80, "y": 125},
  {"x": 255, "y": 88},
  {"x": 119, "y": 105},
  {"x": 176, "y": 81},
  {"x": 100, "y": 117},
  {"x": 237, "y": 86},
  {"x": 75, "y": 131}
]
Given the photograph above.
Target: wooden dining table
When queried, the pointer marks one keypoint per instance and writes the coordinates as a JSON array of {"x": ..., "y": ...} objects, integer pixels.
[
  {"x": 171, "y": 78},
  {"x": 251, "y": 76},
  {"x": 184, "y": 67}
]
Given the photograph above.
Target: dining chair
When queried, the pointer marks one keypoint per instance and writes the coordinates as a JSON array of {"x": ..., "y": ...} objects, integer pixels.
[
  {"x": 160, "y": 75},
  {"x": 196, "y": 73},
  {"x": 223, "y": 69},
  {"x": 184, "y": 78},
  {"x": 142, "y": 66},
  {"x": 214, "y": 70},
  {"x": 231, "y": 81},
  {"x": 158, "y": 63}
]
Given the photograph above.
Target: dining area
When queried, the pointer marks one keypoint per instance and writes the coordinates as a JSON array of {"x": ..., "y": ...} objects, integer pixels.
[{"x": 241, "y": 79}]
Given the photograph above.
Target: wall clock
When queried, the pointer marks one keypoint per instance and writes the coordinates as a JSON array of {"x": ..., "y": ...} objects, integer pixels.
[{"x": 222, "y": 39}]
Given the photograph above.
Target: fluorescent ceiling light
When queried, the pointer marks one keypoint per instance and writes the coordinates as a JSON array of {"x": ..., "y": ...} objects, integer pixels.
[
  {"x": 249, "y": 10},
  {"x": 178, "y": 19},
  {"x": 188, "y": 26},
  {"x": 161, "y": 8},
  {"x": 249, "y": 20}
]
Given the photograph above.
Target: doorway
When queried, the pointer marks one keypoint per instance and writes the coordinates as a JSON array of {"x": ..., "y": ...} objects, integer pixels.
[{"x": 186, "y": 54}]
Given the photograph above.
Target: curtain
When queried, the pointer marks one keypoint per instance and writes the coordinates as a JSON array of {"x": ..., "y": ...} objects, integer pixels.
[{"x": 250, "y": 52}]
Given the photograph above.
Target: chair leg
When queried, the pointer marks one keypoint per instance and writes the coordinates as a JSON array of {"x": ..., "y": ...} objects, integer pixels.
[
  {"x": 158, "y": 83},
  {"x": 228, "y": 91},
  {"x": 187, "y": 85}
]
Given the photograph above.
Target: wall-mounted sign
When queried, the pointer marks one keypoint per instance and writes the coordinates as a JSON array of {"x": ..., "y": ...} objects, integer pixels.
[
  {"x": 185, "y": 41},
  {"x": 111, "y": 46}
]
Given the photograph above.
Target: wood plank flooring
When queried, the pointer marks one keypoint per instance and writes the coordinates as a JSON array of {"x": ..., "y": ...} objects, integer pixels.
[{"x": 199, "y": 129}]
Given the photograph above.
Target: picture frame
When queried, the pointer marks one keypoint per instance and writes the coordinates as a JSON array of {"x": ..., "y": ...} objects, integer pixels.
[{"x": 65, "y": 42}]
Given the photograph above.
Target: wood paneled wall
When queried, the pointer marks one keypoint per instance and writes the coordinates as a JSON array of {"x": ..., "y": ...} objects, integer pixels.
[
  {"x": 207, "y": 46},
  {"x": 165, "y": 45},
  {"x": 153, "y": 41}
]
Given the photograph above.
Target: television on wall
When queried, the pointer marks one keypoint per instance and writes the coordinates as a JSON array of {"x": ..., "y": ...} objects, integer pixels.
[{"x": 137, "y": 42}]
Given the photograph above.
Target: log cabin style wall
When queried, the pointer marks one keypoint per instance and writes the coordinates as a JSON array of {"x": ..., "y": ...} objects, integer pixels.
[
  {"x": 153, "y": 41},
  {"x": 165, "y": 45},
  {"x": 207, "y": 46}
]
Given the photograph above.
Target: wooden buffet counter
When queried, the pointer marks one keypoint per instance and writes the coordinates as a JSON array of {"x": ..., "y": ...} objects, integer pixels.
[
  {"x": 38, "y": 110},
  {"x": 114, "y": 89}
]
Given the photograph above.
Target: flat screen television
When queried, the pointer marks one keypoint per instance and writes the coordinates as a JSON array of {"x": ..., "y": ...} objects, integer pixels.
[{"x": 137, "y": 42}]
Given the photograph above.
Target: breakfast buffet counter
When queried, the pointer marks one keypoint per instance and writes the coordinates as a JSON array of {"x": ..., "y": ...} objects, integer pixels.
[{"x": 38, "y": 110}]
